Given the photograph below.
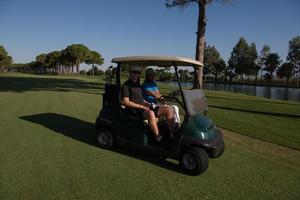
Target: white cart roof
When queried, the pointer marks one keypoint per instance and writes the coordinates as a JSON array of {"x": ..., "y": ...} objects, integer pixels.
[{"x": 161, "y": 61}]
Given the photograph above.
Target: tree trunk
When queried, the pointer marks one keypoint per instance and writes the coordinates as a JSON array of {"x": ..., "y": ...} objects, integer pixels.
[
  {"x": 216, "y": 77},
  {"x": 58, "y": 67},
  {"x": 200, "y": 39},
  {"x": 77, "y": 68},
  {"x": 93, "y": 69},
  {"x": 297, "y": 79},
  {"x": 256, "y": 77}
]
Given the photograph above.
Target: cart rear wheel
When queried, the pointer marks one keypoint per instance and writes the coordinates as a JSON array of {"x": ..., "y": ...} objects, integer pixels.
[
  {"x": 105, "y": 138},
  {"x": 194, "y": 161}
]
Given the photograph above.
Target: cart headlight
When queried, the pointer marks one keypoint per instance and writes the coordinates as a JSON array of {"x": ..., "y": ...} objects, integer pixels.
[{"x": 202, "y": 134}]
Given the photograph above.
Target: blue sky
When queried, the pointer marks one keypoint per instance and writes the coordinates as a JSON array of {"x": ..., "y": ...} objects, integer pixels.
[{"x": 140, "y": 27}]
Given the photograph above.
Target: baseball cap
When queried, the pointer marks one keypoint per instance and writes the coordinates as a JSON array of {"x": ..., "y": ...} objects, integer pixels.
[
  {"x": 150, "y": 72},
  {"x": 135, "y": 68}
]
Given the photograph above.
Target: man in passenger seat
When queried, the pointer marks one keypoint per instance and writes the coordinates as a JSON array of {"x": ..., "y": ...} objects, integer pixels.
[
  {"x": 135, "y": 104},
  {"x": 151, "y": 94}
]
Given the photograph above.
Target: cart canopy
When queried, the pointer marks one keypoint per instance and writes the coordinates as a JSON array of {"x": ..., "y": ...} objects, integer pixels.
[{"x": 160, "y": 61}]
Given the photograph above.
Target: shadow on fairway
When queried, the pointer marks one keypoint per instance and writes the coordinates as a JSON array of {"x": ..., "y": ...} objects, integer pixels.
[
  {"x": 23, "y": 84},
  {"x": 84, "y": 132}
]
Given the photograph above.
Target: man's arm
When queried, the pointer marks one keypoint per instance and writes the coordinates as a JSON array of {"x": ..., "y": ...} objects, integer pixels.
[
  {"x": 131, "y": 104},
  {"x": 156, "y": 94},
  {"x": 152, "y": 90}
]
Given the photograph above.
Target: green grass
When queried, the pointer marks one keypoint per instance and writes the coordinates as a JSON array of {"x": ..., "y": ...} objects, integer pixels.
[
  {"x": 266, "y": 119},
  {"x": 47, "y": 151}
]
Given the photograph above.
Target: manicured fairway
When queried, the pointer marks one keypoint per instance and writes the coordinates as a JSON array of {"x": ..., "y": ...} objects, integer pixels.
[
  {"x": 266, "y": 119},
  {"x": 47, "y": 150}
]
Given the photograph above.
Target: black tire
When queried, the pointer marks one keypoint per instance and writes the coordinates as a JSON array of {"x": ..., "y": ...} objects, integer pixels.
[
  {"x": 104, "y": 138},
  {"x": 194, "y": 161}
]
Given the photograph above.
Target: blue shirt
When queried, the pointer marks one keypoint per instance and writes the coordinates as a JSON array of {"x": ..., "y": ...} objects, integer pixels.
[{"x": 149, "y": 87}]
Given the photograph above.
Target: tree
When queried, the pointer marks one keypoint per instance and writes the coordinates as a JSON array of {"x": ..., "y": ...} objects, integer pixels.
[
  {"x": 41, "y": 64},
  {"x": 184, "y": 75},
  {"x": 5, "y": 59},
  {"x": 165, "y": 76},
  {"x": 31, "y": 66},
  {"x": 67, "y": 61},
  {"x": 211, "y": 57},
  {"x": 264, "y": 53},
  {"x": 229, "y": 71},
  {"x": 53, "y": 60},
  {"x": 239, "y": 57},
  {"x": 202, "y": 20},
  {"x": 243, "y": 58},
  {"x": 219, "y": 68},
  {"x": 96, "y": 71},
  {"x": 294, "y": 56},
  {"x": 76, "y": 54},
  {"x": 285, "y": 71},
  {"x": 94, "y": 58},
  {"x": 19, "y": 67},
  {"x": 252, "y": 67},
  {"x": 272, "y": 63}
]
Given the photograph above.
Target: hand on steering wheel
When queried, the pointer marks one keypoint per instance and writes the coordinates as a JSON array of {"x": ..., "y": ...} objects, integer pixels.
[
  {"x": 162, "y": 99},
  {"x": 174, "y": 94}
]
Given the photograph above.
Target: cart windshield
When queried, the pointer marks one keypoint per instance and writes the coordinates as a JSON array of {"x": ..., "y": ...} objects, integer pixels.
[{"x": 195, "y": 101}]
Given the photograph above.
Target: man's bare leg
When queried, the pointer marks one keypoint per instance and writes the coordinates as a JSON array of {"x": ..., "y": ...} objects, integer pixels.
[
  {"x": 168, "y": 113},
  {"x": 150, "y": 116}
]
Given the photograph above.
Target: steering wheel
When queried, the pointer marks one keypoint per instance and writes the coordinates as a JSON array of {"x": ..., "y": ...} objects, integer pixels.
[
  {"x": 174, "y": 94},
  {"x": 170, "y": 97},
  {"x": 162, "y": 99}
]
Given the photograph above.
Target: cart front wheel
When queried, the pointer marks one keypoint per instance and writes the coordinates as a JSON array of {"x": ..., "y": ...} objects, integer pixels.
[{"x": 194, "y": 161}]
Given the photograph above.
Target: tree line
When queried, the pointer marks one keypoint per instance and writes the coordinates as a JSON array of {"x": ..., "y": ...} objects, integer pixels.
[
  {"x": 5, "y": 59},
  {"x": 246, "y": 61},
  {"x": 66, "y": 61}
]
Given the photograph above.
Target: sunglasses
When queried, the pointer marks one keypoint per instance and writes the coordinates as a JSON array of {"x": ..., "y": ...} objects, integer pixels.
[{"x": 136, "y": 72}]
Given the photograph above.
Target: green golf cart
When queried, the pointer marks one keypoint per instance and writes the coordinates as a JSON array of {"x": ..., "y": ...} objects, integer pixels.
[{"x": 196, "y": 138}]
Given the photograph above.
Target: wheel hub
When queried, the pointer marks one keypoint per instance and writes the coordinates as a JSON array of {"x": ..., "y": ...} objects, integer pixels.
[
  {"x": 189, "y": 161},
  {"x": 103, "y": 138}
]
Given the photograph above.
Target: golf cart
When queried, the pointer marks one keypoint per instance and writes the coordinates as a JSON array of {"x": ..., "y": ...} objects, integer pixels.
[{"x": 196, "y": 139}]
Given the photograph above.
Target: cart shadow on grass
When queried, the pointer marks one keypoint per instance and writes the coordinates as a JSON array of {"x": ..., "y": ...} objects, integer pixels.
[{"x": 83, "y": 131}]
